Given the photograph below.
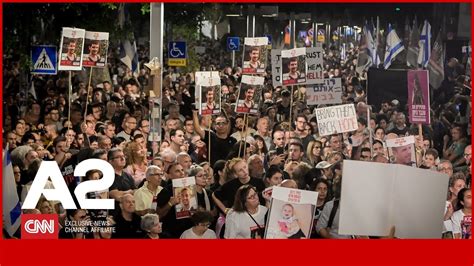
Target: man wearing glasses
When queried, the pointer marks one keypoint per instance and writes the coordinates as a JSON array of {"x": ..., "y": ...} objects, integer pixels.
[
  {"x": 123, "y": 183},
  {"x": 301, "y": 132},
  {"x": 145, "y": 196}
]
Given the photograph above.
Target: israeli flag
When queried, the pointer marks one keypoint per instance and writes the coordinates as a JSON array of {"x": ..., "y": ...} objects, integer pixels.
[
  {"x": 425, "y": 45},
  {"x": 129, "y": 56},
  {"x": 371, "y": 47},
  {"x": 393, "y": 47},
  {"x": 11, "y": 203}
]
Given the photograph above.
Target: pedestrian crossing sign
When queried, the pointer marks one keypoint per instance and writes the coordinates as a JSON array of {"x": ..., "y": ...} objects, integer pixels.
[{"x": 44, "y": 59}]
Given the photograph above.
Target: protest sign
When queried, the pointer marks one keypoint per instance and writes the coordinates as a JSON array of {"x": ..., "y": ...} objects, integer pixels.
[
  {"x": 208, "y": 90},
  {"x": 72, "y": 42},
  {"x": 329, "y": 92},
  {"x": 250, "y": 94},
  {"x": 336, "y": 119},
  {"x": 291, "y": 213},
  {"x": 418, "y": 96},
  {"x": 386, "y": 195},
  {"x": 184, "y": 189},
  {"x": 402, "y": 150},
  {"x": 293, "y": 65},
  {"x": 95, "y": 49},
  {"x": 255, "y": 55},
  {"x": 314, "y": 61}
]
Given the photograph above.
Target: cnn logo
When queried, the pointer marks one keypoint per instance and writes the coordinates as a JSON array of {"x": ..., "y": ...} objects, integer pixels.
[{"x": 39, "y": 226}]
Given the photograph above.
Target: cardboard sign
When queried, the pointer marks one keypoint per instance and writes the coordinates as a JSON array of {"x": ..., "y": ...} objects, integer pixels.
[
  {"x": 418, "y": 96},
  {"x": 386, "y": 195},
  {"x": 250, "y": 94},
  {"x": 330, "y": 92},
  {"x": 208, "y": 90},
  {"x": 291, "y": 213},
  {"x": 255, "y": 55},
  {"x": 95, "y": 49},
  {"x": 336, "y": 119},
  {"x": 184, "y": 189},
  {"x": 72, "y": 42}
]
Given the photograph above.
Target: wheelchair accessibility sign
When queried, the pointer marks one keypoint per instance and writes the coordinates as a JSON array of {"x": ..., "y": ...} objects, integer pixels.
[
  {"x": 177, "y": 53},
  {"x": 233, "y": 43},
  {"x": 44, "y": 59}
]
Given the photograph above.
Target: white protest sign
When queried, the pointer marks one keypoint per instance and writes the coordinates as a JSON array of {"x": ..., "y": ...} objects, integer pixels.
[
  {"x": 255, "y": 55},
  {"x": 208, "y": 92},
  {"x": 95, "y": 49},
  {"x": 386, "y": 195},
  {"x": 184, "y": 189},
  {"x": 314, "y": 62},
  {"x": 291, "y": 213},
  {"x": 330, "y": 92},
  {"x": 249, "y": 94},
  {"x": 71, "y": 48},
  {"x": 336, "y": 119}
]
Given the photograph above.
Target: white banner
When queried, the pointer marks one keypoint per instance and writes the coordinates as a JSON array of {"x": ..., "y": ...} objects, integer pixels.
[
  {"x": 336, "y": 119},
  {"x": 330, "y": 92},
  {"x": 386, "y": 195},
  {"x": 208, "y": 92}
]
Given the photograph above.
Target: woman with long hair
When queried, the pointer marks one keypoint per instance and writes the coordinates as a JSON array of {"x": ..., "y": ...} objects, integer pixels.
[
  {"x": 314, "y": 151},
  {"x": 261, "y": 147},
  {"x": 461, "y": 219},
  {"x": 136, "y": 161}
]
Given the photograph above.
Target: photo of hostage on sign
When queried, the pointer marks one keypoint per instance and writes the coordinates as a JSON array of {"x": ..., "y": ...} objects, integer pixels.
[
  {"x": 255, "y": 55},
  {"x": 95, "y": 49},
  {"x": 72, "y": 42},
  {"x": 402, "y": 150},
  {"x": 291, "y": 213},
  {"x": 184, "y": 189},
  {"x": 294, "y": 66},
  {"x": 249, "y": 94},
  {"x": 210, "y": 100}
]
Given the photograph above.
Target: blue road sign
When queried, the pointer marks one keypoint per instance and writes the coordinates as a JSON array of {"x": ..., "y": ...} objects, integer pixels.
[
  {"x": 233, "y": 43},
  {"x": 44, "y": 59},
  {"x": 177, "y": 50}
]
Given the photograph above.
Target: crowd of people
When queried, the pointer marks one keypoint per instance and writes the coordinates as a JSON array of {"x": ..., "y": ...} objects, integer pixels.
[{"x": 233, "y": 158}]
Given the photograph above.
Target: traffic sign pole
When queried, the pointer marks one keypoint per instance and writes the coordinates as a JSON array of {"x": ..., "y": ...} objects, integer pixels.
[{"x": 233, "y": 59}]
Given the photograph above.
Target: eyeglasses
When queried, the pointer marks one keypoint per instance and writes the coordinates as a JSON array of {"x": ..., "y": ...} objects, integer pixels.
[
  {"x": 221, "y": 123},
  {"x": 204, "y": 224}
]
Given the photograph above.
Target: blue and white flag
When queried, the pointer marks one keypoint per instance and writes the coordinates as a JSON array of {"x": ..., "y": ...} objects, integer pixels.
[
  {"x": 11, "y": 203},
  {"x": 129, "y": 56},
  {"x": 371, "y": 47},
  {"x": 425, "y": 45},
  {"x": 393, "y": 47}
]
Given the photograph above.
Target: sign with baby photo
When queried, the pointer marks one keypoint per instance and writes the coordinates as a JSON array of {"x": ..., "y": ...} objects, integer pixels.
[
  {"x": 184, "y": 189},
  {"x": 291, "y": 213}
]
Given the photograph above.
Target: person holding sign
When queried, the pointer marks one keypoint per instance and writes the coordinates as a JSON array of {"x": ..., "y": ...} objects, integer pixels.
[{"x": 293, "y": 74}]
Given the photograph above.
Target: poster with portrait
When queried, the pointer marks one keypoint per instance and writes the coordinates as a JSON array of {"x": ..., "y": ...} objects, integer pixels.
[
  {"x": 250, "y": 95},
  {"x": 291, "y": 213},
  {"x": 208, "y": 92},
  {"x": 418, "y": 97},
  {"x": 255, "y": 55},
  {"x": 402, "y": 150},
  {"x": 184, "y": 189},
  {"x": 293, "y": 65},
  {"x": 72, "y": 43},
  {"x": 96, "y": 45}
]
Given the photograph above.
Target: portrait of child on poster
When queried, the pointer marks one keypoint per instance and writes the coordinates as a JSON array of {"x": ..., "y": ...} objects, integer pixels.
[
  {"x": 249, "y": 94},
  {"x": 293, "y": 65},
  {"x": 95, "y": 49},
  {"x": 291, "y": 213},
  {"x": 208, "y": 90},
  {"x": 255, "y": 55},
  {"x": 72, "y": 42},
  {"x": 402, "y": 150},
  {"x": 184, "y": 189}
]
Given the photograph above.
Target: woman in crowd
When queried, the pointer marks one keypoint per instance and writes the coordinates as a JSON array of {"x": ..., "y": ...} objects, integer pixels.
[
  {"x": 203, "y": 195},
  {"x": 151, "y": 225},
  {"x": 261, "y": 147},
  {"x": 136, "y": 161},
  {"x": 313, "y": 152},
  {"x": 201, "y": 220},
  {"x": 246, "y": 219},
  {"x": 461, "y": 219}
]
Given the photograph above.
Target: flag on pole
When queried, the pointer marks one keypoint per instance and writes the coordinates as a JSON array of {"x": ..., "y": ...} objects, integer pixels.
[
  {"x": 287, "y": 35},
  {"x": 393, "y": 47},
  {"x": 11, "y": 203},
  {"x": 129, "y": 56},
  {"x": 436, "y": 63},
  {"x": 425, "y": 45},
  {"x": 413, "y": 48},
  {"x": 371, "y": 47},
  {"x": 32, "y": 90}
]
